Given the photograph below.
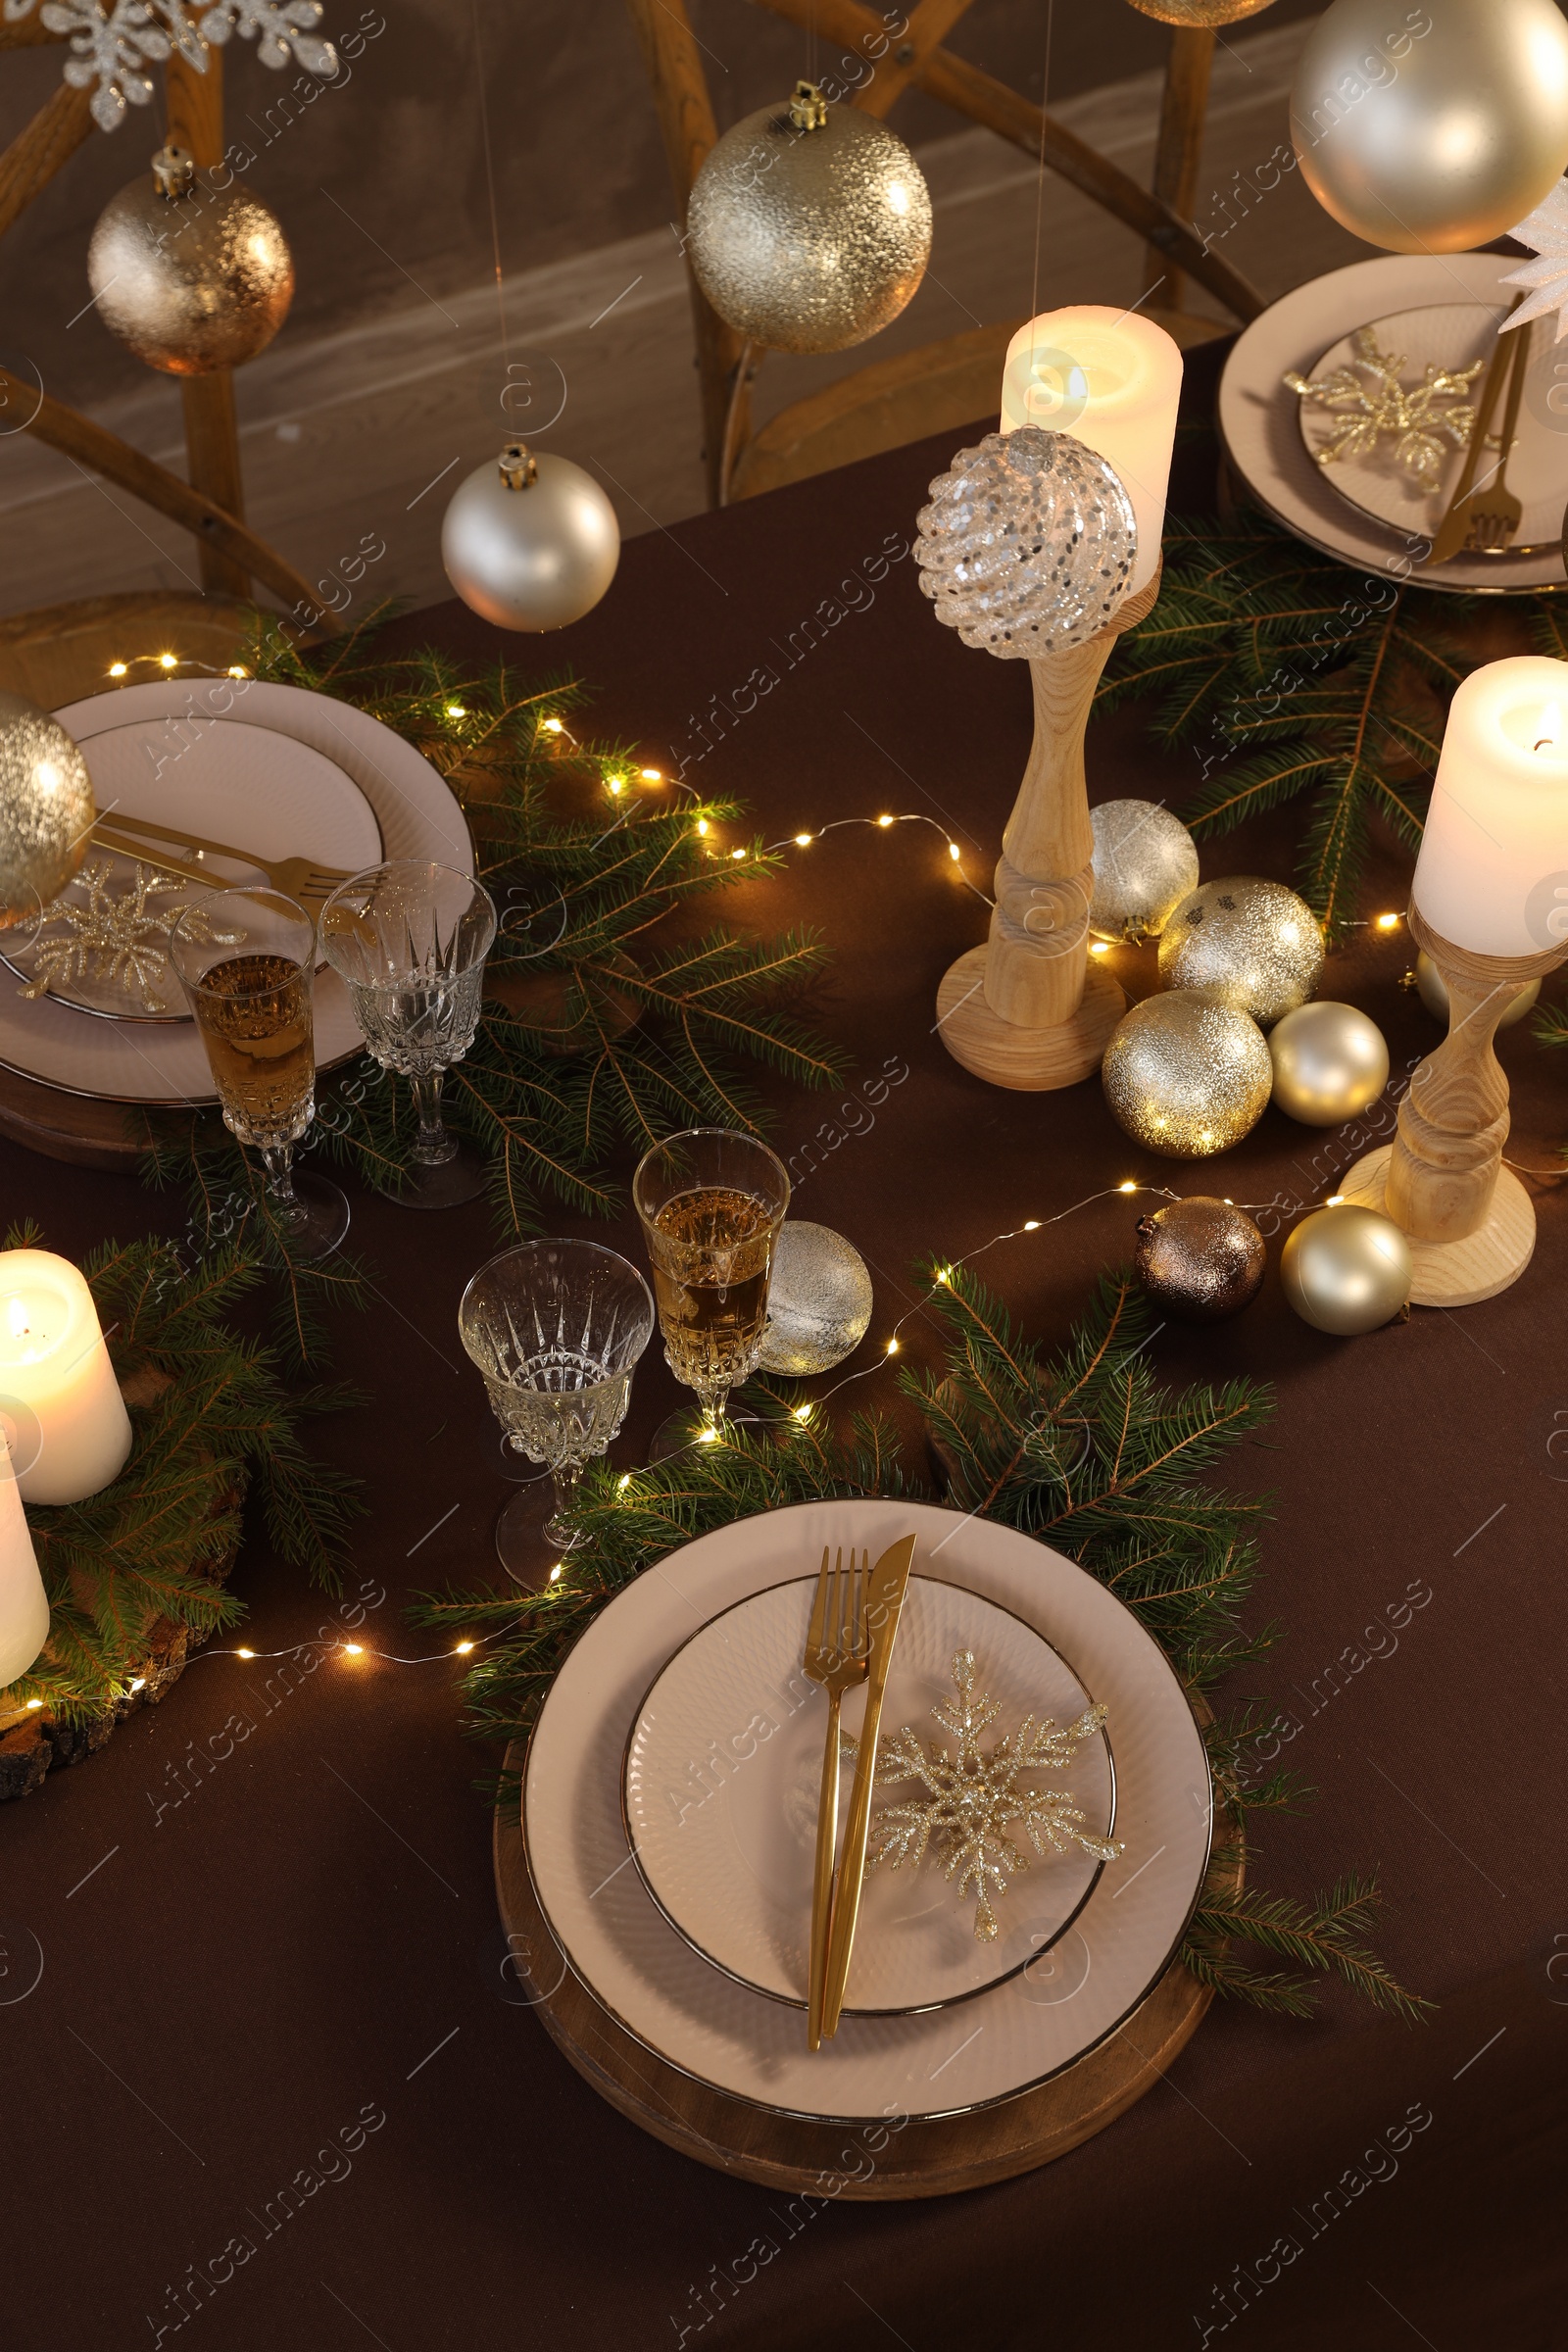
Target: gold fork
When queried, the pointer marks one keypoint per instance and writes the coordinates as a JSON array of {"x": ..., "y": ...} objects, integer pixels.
[
  {"x": 1453, "y": 530},
  {"x": 838, "y": 1655},
  {"x": 1495, "y": 512},
  {"x": 296, "y": 878}
]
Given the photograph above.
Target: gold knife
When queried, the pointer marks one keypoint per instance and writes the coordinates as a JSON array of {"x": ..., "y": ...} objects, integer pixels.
[
  {"x": 1454, "y": 528},
  {"x": 889, "y": 1583}
]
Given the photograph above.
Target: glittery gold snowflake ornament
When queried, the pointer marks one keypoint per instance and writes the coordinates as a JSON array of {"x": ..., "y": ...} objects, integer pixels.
[
  {"x": 120, "y": 942},
  {"x": 1374, "y": 401},
  {"x": 973, "y": 1797}
]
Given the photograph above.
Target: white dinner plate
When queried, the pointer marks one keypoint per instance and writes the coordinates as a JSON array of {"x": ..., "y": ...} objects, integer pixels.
[
  {"x": 945, "y": 2061},
  {"x": 723, "y": 1776},
  {"x": 1261, "y": 433},
  {"x": 416, "y": 814},
  {"x": 230, "y": 781}
]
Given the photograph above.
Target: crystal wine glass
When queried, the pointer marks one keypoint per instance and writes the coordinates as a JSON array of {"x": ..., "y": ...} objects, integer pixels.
[
  {"x": 409, "y": 940},
  {"x": 712, "y": 1200},
  {"x": 245, "y": 959},
  {"x": 556, "y": 1329}
]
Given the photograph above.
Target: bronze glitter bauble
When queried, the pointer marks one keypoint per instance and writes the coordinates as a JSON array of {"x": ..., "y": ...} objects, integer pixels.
[
  {"x": 46, "y": 809},
  {"x": 810, "y": 226},
  {"x": 1187, "y": 1076},
  {"x": 1145, "y": 864},
  {"x": 1347, "y": 1269},
  {"x": 1436, "y": 129},
  {"x": 1330, "y": 1063},
  {"x": 192, "y": 278},
  {"x": 1200, "y": 12},
  {"x": 1200, "y": 1259},
  {"x": 1251, "y": 943}
]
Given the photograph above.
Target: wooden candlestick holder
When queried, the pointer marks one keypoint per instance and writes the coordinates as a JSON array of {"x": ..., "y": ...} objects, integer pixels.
[
  {"x": 1029, "y": 1009},
  {"x": 1469, "y": 1220}
]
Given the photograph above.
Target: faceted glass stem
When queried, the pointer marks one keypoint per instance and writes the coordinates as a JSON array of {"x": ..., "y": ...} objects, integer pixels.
[
  {"x": 278, "y": 1162},
  {"x": 433, "y": 1146},
  {"x": 558, "y": 1527}
]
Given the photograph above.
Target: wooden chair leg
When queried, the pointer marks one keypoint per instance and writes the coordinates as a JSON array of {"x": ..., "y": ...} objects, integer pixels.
[
  {"x": 1180, "y": 151},
  {"x": 212, "y": 428}
]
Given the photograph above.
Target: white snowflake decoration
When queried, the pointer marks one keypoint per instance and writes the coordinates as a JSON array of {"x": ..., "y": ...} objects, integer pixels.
[
  {"x": 974, "y": 1799},
  {"x": 1546, "y": 229},
  {"x": 114, "y": 41},
  {"x": 119, "y": 942}
]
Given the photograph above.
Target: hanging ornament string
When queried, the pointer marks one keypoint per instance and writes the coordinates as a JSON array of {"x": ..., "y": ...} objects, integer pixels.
[{"x": 495, "y": 218}]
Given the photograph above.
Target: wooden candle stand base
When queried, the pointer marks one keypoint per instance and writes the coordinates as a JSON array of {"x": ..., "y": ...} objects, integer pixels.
[
  {"x": 1457, "y": 1273},
  {"x": 1028, "y": 1009}
]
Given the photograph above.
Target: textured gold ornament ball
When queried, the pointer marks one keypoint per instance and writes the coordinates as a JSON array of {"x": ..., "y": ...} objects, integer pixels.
[
  {"x": 1144, "y": 863},
  {"x": 810, "y": 226},
  {"x": 1431, "y": 130},
  {"x": 1346, "y": 1271},
  {"x": 192, "y": 278},
  {"x": 1330, "y": 1062},
  {"x": 1200, "y": 11},
  {"x": 1200, "y": 1259},
  {"x": 46, "y": 809},
  {"x": 1252, "y": 944},
  {"x": 1186, "y": 1076},
  {"x": 1433, "y": 990}
]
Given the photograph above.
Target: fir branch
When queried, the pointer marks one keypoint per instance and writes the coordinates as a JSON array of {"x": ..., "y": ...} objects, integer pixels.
[{"x": 1326, "y": 1936}]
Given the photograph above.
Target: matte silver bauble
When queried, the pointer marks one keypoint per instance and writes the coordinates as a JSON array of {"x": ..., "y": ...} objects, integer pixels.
[
  {"x": 531, "y": 543},
  {"x": 1433, "y": 991},
  {"x": 1431, "y": 130},
  {"x": 189, "y": 276},
  {"x": 1251, "y": 943},
  {"x": 1200, "y": 1259},
  {"x": 818, "y": 1301},
  {"x": 1146, "y": 862},
  {"x": 46, "y": 809},
  {"x": 1187, "y": 1076},
  {"x": 1330, "y": 1063},
  {"x": 1345, "y": 1270},
  {"x": 810, "y": 226}
]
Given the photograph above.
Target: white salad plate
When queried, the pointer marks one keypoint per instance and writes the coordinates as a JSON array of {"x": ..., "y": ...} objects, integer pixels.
[
  {"x": 723, "y": 1779},
  {"x": 999, "y": 2042}
]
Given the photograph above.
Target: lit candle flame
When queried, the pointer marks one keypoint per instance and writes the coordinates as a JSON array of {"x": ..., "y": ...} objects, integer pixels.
[
  {"x": 1550, "y": 727},
  {"x": 18, "y": 1314}
]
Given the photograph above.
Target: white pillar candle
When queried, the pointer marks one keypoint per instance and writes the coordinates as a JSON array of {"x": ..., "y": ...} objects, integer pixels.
[
  {"x": 1493, "y": 873},
  {"x": 1113, "y": 380},
  {"x": 60, "y": 1402},
  {"x": 23, "y": 1605}
]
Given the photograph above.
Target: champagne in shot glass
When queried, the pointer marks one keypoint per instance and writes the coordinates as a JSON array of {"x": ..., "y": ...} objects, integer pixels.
[{"x": 711, "y": 1201}]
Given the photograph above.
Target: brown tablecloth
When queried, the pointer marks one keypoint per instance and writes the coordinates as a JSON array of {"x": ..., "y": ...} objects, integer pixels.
[{"x": 272, "y": 2040}]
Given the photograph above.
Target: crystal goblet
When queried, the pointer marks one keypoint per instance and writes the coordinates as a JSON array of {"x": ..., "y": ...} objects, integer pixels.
[
  {"x": 245, "y": 959},
  {"x": 556, "y": 1329},
  {"x": 712, "y": 1200},
  {"x": 409, "y": 940}
]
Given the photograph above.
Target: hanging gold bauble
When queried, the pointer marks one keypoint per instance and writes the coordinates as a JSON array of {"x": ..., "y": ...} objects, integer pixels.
[
  {"x": 1433, "y": 991},
  {"x": 1200, "y": 11},
  {"x": 1252, "y": 944},
  {"x": 1435, "y": 129},
  {"x": 46, "y": 809},
  {"x": 1345, "y": 1270},
  {"x": 1330, "y": 1062},
  {"x": 1200, "y": 1259},
  {"x": 1187, "y": 1076},
  {"x": 810, "y": 226},
  {"x": 1145, "y": 864},
  {"x": 189, "y": 276}
]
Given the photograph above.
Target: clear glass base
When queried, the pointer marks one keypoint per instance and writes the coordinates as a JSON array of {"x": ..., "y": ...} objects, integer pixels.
[
  {"x": 683, "y": 1431},
  {"x": 444, "y": 1183},
  {"x": 319, "y": 1219},
  {"x": 524, "y": 1545}
]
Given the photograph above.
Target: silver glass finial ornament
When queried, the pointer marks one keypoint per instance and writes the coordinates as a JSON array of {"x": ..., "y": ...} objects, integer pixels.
[{"x": 531, "y": 543}]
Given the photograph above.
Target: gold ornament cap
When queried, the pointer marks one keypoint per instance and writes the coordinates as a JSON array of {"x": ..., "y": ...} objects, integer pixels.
[
  {"x": 808, "y": 107},
  {"x": 519, "y": 469},
  {"x": 173, "y": 171}
]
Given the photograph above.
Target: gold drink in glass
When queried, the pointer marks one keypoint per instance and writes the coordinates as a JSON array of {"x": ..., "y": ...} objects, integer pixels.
[
  {"x": 245, "y": 959},
  {"x": 711, "y": 1201}
]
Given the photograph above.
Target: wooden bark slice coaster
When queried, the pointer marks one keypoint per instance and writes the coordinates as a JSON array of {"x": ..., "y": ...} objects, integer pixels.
[{"x": 732, "y": 2134}]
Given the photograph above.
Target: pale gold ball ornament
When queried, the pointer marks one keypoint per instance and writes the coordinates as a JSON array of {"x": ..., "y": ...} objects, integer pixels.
[
  {"x": 1253, "y": 944},
  {"x": 530, "y": 542},
  {"x": 1187, "y": 1076},
  {"x": 1347, "y": 1269},
  {"x": 46, "y": 809},
  {"x": 192, "y": 278},
  {"x": 1431, "y": 130},
  {"x": 1144, "y": 863},
  {"x": 810, "y": 226},
  {"x": 1433, "y": 991},
  {"x": 1331, "y": 1061},
  {"x": 1200, "y": 12}
]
